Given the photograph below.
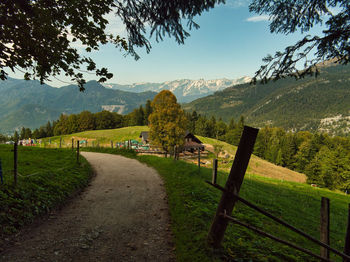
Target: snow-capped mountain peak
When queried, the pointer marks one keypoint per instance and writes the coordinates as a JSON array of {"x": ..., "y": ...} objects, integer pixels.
[{"x": 185, "y": 90}]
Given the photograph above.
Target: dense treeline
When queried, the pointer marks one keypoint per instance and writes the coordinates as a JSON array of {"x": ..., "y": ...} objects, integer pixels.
[
  {"x": 68, "y": 124},
  {"x": 324, "y": 159}
]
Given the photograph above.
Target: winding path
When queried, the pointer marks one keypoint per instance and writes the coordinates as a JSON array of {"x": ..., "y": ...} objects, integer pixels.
[{"x": 121, "y": 216}]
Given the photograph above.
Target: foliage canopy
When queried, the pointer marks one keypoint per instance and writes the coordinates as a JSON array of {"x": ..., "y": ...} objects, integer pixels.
[
  {"x": 288, "y": 16},
  {"x": 167, "y": 122},
  {"x": 37, "y": 36}
]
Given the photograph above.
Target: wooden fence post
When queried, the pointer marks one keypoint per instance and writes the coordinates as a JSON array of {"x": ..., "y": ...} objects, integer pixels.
[
  {"x": 215, "y": 171},
  {"x": 78, "y": 151},
  {"x": 111, "y": 144},
  {"x": 324, "y": 226},
  {"x": 15, "y": 163},
  {"x": 98, "y": 143},
  {"x": 199, "y": 159},
  {"x": 72, "y": 144},
  {"x": 347, "y": 237},
  {"x": 233, "y": 185},
  {"x": 60, "y": 142}
]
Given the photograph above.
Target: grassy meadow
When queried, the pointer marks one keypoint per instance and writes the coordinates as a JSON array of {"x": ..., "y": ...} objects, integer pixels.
[
  {"x": 193, "y": 203},
  {"x": 46, "y": 179},
  {"x": 103, "y": 137}
]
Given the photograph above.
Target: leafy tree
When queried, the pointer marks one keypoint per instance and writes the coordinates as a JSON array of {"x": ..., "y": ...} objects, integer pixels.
[
  {"x": 27, "y": 133},
  {"x": 86, "y": 121},
  {"x": 202, "y": 128},
  {"x": 218, "y": 149},
  {"x": 61, "y": 127},
  {"x": 15, "y": 136},
  {"x": 104, "y": 120},
  {"x": 167, "y": 122},
  {"x": 289, "y": 16},
  {"x": 3, "y": 138},
  {"x": 22, "y": 134},
  {"x": 148, "y": 110},
  {"x": 49, "y": 129},
  {"x": 37, "y": 36},
  {"x": 220, "y": 130}
]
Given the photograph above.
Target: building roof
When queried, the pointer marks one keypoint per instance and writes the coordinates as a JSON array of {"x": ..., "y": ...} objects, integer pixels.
[
  {"x": 194, "y": 138},
  {"x": 144, "y": 135}
]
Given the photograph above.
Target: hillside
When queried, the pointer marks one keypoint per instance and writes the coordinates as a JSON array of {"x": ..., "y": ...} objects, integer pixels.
[
  {"x": 30, "y": 104},
  {"x": 256, "y": 166},
  {"x": 311, "y": 103},
  {"x": 185, "y": 90}
]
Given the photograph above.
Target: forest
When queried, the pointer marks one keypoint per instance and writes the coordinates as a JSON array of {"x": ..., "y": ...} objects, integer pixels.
[{"x": 323, "y": 158}]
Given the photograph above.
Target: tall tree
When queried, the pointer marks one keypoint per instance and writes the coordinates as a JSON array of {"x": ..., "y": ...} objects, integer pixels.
[
  {"x": 167, "y": 122},
  {"x": 148, "y": 110},
  {"x": 15, "y": 136},
  {"x": 289, "y": 16},
  {"x": 38, "y": 36}
]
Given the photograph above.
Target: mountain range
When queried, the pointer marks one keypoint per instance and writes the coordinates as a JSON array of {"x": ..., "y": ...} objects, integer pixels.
[
  {"x": 319, "y": 103},
  {"x": 185, "y": 90},
  {"x": 30, "y": 104}
]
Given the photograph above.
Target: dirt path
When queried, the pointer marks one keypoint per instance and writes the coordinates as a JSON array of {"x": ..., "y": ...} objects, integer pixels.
[{"x": 121, "y": 216}]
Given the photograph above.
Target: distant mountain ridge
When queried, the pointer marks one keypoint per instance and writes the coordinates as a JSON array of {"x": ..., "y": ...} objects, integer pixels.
[
  {"x": 185, "y": 90},
  {"x": 30, "y": 104},
  {"x": 314, "y": 104}
]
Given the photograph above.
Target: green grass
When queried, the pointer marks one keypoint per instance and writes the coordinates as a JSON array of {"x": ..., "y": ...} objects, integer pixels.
[
  {"x": 104, "y": 137},
  {"x": 193, "y": 204},
  {"x": 225, "y": 146},
  {"x": 46, "y": 179}
]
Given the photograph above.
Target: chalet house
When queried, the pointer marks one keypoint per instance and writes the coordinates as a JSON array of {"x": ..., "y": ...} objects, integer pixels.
[{"x": 192, "y": 143}]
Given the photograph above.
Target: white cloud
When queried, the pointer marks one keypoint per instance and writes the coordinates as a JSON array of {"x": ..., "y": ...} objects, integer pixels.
[{"x": 258, "y": 18}]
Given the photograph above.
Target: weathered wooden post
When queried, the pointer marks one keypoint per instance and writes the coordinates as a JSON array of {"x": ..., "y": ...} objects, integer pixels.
[
  {"x": 215, "y": 171},
  {"x": 324, "y": 226},
  {"x": 15, "y": 163},
  {"x": 111, "y": 144},
  {"x": 78, "y": 151},
  {"x": 199, "y": 158},
  {"x": 347, "y": 237},
  {"x": 72, "y": 144},
  {"x": 233, "y": 185},
  {"x": 60, "y": 142},
  {"x": 50, "y": 141}
]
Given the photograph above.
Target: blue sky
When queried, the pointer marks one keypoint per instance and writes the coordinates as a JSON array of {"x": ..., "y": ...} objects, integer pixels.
[{"x": 229, "y": 44}]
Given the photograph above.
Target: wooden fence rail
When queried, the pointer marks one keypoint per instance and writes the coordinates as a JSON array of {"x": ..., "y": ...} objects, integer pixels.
[{"x": 231, "y": 194}]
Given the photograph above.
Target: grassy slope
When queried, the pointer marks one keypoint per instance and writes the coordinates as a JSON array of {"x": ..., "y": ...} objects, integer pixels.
[
  {"x": 257, "y": 165},
  {"x": 193, "y": 204},
  {"x": 46, "y": 178},
  {"x": 104, "y": 137}
]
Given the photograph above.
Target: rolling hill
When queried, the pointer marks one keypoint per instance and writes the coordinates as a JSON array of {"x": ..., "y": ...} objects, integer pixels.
[
  {"x": 257, "y": 165},
  {"x": 30, "y": 104},
  {"x": 311, "y": 103}
]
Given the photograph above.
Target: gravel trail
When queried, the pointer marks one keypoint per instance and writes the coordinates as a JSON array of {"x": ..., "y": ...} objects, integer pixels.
[{"x": 122, "y": 216}]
